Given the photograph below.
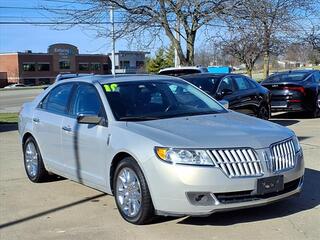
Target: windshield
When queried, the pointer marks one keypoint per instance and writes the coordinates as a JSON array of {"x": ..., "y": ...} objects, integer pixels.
[
  {"x": 149, "y": 100},
  {"x": 288, "y": 77}
]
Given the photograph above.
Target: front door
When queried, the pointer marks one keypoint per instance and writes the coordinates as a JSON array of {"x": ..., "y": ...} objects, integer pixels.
[
  {"x": 247, "y": 101},
  {"x": 86, "y": 145}
]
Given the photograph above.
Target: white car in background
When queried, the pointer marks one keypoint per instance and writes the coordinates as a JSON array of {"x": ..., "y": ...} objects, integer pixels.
[
  {"x": 16, "y": 85},
  {"x": 179, "y": 71}
]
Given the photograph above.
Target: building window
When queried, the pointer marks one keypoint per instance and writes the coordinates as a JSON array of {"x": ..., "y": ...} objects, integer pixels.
[
  {"x": 124, "y": 64},
  {"x": 139, "y": 64},
  {"x": 105, "y": 67},
  {"x": 43, "y": 67},
  {"x": 96, "y": 66},
  {"x": 28, "y": 67},
  {"x": 64, "y": 65},
  {"x": 83, "y": 67}
]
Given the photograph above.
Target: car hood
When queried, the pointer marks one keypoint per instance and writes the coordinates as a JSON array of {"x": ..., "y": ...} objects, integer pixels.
[{"x": 222, "y": 130}]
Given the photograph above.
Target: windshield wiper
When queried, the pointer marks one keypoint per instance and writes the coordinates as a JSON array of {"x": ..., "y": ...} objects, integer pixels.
[
  {"x": 138, "y": 118},
  {"x": 191, "y": 114}
]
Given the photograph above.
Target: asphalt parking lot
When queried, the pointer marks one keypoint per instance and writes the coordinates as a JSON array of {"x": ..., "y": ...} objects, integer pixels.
[{"x": 62, "y": 209}]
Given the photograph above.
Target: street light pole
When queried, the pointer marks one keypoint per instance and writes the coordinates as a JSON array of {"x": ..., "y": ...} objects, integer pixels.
[{"x": 113, "y": 68}]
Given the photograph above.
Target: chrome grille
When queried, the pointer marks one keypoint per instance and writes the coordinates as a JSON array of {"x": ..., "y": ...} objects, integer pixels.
[
  {"x": 241, "y": 162},
  {"x": 283, "y": 156}
]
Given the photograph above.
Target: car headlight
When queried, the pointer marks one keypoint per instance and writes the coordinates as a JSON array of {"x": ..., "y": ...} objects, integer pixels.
[
  {"x": 296, "y": 143},
  {"x": 183, "y": 156}
]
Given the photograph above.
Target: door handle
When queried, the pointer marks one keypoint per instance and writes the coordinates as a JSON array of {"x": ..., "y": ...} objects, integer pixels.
[
  {"x": 36, "y": 120},
  {"x": 67, "y": 129}
]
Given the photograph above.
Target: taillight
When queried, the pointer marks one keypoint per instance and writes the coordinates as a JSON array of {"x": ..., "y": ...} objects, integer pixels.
[{"x": 299, "y": 89}]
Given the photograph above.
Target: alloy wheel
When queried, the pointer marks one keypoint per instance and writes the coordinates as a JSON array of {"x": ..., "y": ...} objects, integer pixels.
[
  {"x": 128, "y": 192},
  {"x": 263, "y": 113},
  {"x": 31, "y": 158}
]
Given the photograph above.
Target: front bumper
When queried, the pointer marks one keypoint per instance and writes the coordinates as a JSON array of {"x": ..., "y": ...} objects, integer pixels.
[{"x": 170, "y": 185}]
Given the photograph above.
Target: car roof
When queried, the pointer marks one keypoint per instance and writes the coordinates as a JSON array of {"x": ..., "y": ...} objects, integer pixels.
[
  {"x": 297, "y": 71},
  {"x": 104, "y": 79},
  {"x": 205, "y": 75},
  {"x": 182, "y": 68}
]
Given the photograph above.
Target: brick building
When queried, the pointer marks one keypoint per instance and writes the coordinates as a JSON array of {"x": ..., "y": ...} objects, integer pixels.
[{"x": 42, "y": 68}]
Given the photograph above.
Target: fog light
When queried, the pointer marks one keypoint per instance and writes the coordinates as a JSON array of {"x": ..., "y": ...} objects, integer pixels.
[{"x": 201, "y": 198}]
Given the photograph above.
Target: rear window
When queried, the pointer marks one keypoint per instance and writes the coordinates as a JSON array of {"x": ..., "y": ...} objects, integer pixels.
[{"x": 288, "y": 77}]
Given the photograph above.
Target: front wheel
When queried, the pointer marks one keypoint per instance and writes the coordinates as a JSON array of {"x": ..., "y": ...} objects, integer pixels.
[
  {"x": 33, "y": 163},
  {"x": 131, "y": 192}
]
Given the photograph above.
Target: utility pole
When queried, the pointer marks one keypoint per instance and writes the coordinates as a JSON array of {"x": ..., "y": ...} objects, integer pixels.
[
  {"x": 113, "y": 59},
  {"x": 176, "y": 57}
]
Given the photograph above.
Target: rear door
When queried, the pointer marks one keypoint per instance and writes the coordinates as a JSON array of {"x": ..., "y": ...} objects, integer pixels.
[
  {"x": 85, "y": 146},
  {"x": 47, "y": 121}
]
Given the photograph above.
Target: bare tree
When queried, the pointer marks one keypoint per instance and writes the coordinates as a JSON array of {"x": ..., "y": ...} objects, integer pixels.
[
  {"x": 147, "y": 19},
  {"x": 245, "y": 46},
  {"x": 313, "y": 38},
  {"x": 272, "y": 19}
]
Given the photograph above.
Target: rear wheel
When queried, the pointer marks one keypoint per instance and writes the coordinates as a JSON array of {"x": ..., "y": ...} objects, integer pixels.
[
  {"x": 263, "y": 112},
  {"x": 316, "y": 112},
  {"x": 132, "y": 193},
  {"x": 33, "y": 163}
]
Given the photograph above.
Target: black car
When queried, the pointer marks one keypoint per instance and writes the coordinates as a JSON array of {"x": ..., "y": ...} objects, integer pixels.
[
  {"x": 295, "y": 91},
  {"x": 243, "y": 94}
]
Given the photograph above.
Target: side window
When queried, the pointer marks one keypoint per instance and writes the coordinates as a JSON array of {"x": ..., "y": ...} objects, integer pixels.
[
  {"x": 226, "y": 83},
  {"x": 252, "y": 83},
  {"x": 86, "y": 101},
  {"x": 242, "y": 83},
  {"x": 57, "y": 100}
]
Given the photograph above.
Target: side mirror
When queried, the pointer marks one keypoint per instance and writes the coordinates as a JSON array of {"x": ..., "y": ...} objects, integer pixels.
[
  {"x": 224, "y": 103},
  {"x": 89, "y": 119}
]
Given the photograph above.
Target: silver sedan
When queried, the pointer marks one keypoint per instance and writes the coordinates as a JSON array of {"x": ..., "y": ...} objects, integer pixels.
[{"x": 160, "y": 145}]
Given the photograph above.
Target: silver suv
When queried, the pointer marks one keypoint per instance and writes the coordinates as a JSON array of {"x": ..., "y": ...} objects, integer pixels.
[{"x": 160, "y": 145}]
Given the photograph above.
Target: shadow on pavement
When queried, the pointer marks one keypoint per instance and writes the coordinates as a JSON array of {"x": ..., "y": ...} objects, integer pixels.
[
  {"x": 292, "y": 115},
  {"x": 284, "y": 122},
  {"x": 303, "y": 138},
  {"x": 7, "y": 127},
  {"x": 309, "y": 198},
  {"x": 40, "y": 214}
]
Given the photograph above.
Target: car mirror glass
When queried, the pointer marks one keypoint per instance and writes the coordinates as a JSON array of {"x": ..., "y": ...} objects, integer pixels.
[{"x": 89, "y": 119}]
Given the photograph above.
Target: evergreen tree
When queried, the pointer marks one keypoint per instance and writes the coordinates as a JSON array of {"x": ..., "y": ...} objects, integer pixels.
[
  {"x": 169, "y": 56},
  {"x": 164, "y": 58}
]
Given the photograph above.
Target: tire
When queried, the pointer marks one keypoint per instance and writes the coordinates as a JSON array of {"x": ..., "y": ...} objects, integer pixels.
[
  {"x": 316, "y": 112},
  {"x": 128, "y": 182},
  {"x": 263, "y": 112},
  {"x": 33, "y": 162}
]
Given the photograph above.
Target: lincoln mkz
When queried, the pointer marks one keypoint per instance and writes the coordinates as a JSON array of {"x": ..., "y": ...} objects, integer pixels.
[{"x": 159, "y": 144}]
